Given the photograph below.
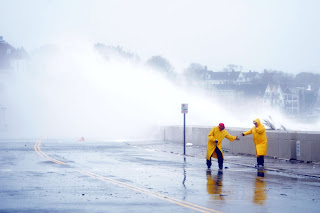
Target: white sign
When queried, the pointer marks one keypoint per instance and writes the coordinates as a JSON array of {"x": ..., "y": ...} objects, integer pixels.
[
  {"x": 184, "y": 108},
  {"x": 298, "y": 148}
]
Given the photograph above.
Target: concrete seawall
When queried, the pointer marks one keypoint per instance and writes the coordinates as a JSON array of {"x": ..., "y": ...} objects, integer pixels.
[{"x": 304, "y": 146}]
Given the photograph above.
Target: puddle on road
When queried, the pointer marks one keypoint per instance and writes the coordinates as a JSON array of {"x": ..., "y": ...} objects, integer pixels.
[
  {"x": 214, "y": 185},
  {"x": 217, "y": 191},
  {"x": 260, "y": 195}
]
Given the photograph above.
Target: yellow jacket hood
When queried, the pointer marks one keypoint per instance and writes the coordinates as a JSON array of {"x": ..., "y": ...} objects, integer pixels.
[{"x": 258, "y": 121}]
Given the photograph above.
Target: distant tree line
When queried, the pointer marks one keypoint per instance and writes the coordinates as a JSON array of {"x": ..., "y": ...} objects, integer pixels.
[{"x": 194, "y": 72}]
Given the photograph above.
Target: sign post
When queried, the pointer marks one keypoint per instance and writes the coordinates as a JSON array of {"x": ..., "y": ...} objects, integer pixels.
[{"x": 184, "y": 110}]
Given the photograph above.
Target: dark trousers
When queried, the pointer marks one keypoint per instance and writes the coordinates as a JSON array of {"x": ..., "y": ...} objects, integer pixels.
[
  {"x": 220, "y": 159},
  {"x": 260, "y": 160}
]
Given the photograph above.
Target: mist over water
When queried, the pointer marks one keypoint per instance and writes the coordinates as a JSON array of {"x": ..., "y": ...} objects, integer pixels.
[{"x": 73, "y": 92}]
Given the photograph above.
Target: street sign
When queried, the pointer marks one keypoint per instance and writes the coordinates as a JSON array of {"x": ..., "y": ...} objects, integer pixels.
[{"x": 184, "y": 108}]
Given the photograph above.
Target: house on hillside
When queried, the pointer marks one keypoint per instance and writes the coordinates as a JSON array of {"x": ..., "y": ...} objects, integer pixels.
[
  {"x": 291, "y": 99},
  {"x": 273, "y": 97},
  {"x": 233, "y": 87},
  {"x": 301, "y": 101},
  {"x": 248, "y": 77},
  {"x": 6, "y": 54},
  {"x": 210, "y": 78},
  {"x": 294, "y": 101},
  {"x": 11, "y": 58}
]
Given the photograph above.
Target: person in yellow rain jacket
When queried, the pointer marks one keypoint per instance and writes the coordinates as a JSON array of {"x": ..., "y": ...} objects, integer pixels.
[
  {"x": 216, "y": 135},
  {"x": 260, "y": 141}
]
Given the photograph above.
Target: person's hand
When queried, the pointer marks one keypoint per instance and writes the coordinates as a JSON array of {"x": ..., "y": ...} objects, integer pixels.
[
  {"x": 242, "y": 134},
  {"x": 216, "y": 142},
  {"x": 237, "y": 138}
]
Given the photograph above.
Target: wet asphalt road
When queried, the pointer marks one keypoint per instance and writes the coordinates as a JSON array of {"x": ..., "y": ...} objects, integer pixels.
[{"x": 90, "y": 176}]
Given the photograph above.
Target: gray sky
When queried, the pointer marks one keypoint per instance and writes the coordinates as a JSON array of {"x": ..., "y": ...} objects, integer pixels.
[{"x": 273, "y": 34}]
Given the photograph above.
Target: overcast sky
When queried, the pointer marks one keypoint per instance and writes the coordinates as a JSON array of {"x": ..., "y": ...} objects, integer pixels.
[{"x": 257, "y": 34}]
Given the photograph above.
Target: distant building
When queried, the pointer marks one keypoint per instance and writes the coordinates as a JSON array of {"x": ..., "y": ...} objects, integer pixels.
[
  {"x": 291, "y": 99},
  {"x": 316, "y": 109},
  {"x": 270, "y": 89},
  {"x": 11, "y": 58},
  {"x": 294, "y": 101},
  {"x": 273, "y": 97},
  {"x": 6, "y": 54},
  {"x": 211, "y": 78},
  {"x": 234, "y": 86},
  {"x": 20, "y": 62},
  {"x": 248, "y": 77}
]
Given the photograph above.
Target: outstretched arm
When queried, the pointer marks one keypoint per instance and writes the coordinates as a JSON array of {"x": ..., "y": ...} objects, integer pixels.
[
  {"x": 232, "y": 138},
  {"x": 247, "y": 133}
]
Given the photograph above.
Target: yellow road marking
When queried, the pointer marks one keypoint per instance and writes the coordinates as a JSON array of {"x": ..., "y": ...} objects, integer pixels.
[
  {"x": 42, "y": 154},
  {"x": 148, "y": 192},
  {"x": 121, "y": 184}
]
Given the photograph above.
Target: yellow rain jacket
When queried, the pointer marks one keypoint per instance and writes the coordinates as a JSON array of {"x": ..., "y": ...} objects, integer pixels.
[
  {"x": 259, "y": 138},
  {"x": 214, "y": 134}
]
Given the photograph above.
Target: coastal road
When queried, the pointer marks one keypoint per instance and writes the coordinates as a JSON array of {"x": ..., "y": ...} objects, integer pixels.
[{"x": 122, "y": 176}]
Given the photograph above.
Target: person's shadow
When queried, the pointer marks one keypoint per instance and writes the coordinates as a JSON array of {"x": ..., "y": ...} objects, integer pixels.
[
  {"x": 214, "y": 185},
  {"x": 260, "y": 195}
]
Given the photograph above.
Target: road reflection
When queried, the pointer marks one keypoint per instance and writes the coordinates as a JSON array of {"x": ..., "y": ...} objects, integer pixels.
[
  {"x": 184, "y": 172},
  {"x": 260, "y": 195},
  {"x": 214, "y": 185},
  {"x": 184, "y": 178}
]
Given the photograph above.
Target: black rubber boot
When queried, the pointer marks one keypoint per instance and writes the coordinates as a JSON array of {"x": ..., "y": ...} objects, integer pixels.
[{"x": 208, "y": 163}]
